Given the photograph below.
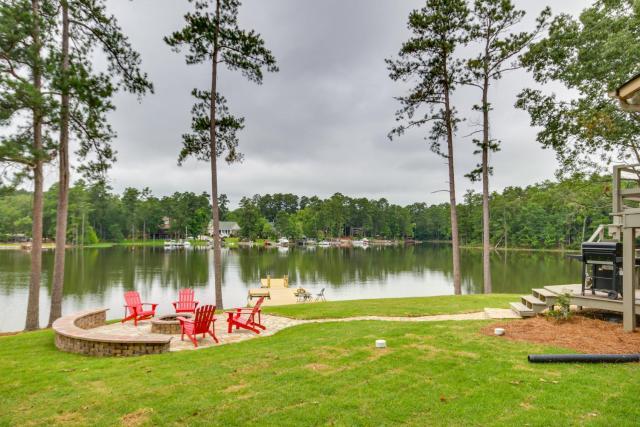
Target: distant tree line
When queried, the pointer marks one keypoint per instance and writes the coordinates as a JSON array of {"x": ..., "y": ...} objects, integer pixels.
[
  {"x": 546, "y": 215},
  {"x": 97, "y": 214}
]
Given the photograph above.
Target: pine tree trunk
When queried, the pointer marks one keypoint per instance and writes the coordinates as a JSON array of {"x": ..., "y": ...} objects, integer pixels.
[
  {"x": 486, "y": 229},
  {"x": 33, "y": 304},
  {"x": 63, "y": 181},
  {"x": 455, "y": 237},
  {"x": 217, "y": 244}
]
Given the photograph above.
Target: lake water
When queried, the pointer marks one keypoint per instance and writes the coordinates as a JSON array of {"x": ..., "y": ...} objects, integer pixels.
[{"x": 98, "y": 277}]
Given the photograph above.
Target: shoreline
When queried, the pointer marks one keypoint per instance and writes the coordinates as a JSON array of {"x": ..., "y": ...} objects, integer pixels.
[
  {"x": 160, "y": 243},
  {"x": 511, "y": 249}
]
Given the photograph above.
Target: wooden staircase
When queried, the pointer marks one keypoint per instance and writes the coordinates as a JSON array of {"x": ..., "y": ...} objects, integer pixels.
[{"x": 530, "y": 305}]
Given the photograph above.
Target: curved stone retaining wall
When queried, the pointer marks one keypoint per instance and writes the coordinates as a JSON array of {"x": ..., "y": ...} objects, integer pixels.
[{"x": 76, "y": 334}]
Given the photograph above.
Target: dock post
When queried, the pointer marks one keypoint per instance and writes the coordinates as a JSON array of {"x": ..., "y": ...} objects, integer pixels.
[{"x": 628, "y": 279}]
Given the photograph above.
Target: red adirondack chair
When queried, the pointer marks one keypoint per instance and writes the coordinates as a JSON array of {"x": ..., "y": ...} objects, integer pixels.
[
  {"x": 186, "y": 302},
  {"x": 202, "y": 324},
  {"x": 245, "y": 318},
  {"x": 135, "y": 308}
]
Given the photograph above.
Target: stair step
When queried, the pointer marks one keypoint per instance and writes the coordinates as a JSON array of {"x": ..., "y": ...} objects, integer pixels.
[
  {"x": 521, "y": 309},
  {"x": 545, "y": 295},
  {"x": 533, "y": 303}
]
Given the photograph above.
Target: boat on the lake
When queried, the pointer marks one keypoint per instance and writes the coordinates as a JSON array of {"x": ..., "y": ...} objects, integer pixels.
[
  {"x": 283, "y": 242},
  {"x": 324, "y": 244},
  {"x": 173, "y": 244},
  {"x": 382, "y": 242},
  {"x": 360, "y": 243}
]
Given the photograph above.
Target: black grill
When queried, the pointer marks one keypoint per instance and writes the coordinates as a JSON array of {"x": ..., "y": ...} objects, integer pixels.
[{"x": 601, "y": 268}]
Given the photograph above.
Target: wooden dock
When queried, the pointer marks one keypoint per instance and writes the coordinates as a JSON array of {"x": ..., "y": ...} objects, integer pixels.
[
  {"x": 280, "y": 297},
  {"x": 276, "y": 291},
  {"x": 544, "y": 298}
]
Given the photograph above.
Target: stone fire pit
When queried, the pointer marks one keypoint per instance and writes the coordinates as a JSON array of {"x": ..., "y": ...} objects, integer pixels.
[{"x": 168, "y": 324}]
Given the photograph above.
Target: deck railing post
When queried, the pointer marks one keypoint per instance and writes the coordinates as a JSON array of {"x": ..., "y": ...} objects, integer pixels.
[
  {"x": 628, "y": 279},
  {"x": 617, "y": 198}
]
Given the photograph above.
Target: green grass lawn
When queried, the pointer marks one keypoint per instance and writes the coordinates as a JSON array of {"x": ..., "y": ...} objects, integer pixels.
[
  {"x": 231, "y": 242},
  {"x": 100, "y": 245},
  {"x": 435, "y": 373},
  {"x": 422, "y": 306},
  {"x": 152, "y": 242}
]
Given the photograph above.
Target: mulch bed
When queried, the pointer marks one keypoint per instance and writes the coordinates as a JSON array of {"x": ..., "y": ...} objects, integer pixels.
[{"x": 580, "y": 333}]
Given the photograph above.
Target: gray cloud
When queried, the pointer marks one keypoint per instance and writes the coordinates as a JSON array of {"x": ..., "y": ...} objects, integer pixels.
[{"x": 318, "y": 126}]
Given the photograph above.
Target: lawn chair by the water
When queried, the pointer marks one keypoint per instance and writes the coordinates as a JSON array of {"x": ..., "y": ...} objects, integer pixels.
[
  {"x": 245, "y": 318},
  {"x": 186, "y": 301},
  {"x": 135, "y": 308},
  {"x": 302, "y": 295},
  {"x": 320, "y": 296},
  {"x": 202, "y": 324}
]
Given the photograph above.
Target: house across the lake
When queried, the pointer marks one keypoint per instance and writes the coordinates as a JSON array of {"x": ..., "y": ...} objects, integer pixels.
[{"x": 227, "y": 228}]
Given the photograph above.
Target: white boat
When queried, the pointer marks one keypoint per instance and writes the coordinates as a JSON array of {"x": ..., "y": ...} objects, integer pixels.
[
  {"x": 173, "y": 244},
  {"x": 324, "y": 244},
  {"x": 283, "y": 241}
]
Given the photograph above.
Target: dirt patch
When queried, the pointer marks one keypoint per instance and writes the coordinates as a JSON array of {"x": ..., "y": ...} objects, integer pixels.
[
  {"x": 137, "y": 418},
  {"x": 235, "y": 388},
  {"x": 330, "y": 352},
  {"x": 378, "y": 353},
  {"x": 318, "y": 367},
  {"x": 583, "y": 334},
  {"x": 70, "y": 419},
  {"x": 467, "y": 354}
]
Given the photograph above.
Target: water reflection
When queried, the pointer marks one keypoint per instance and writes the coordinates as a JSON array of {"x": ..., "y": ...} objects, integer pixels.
[{"x": 97, "y": 277}]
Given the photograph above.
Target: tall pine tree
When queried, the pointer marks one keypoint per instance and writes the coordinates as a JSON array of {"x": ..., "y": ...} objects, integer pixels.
[
  {"x": 85, "y": 99},
  {"x": 25, "y": 107},
  {"x": 211, "y": 35},
  {"x": 428, "y": 59},
  {"x": 492, "y": 29}
]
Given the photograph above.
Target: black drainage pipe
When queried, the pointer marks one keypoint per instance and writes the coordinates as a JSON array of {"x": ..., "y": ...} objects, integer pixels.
[{"x": 583, "y": 358}]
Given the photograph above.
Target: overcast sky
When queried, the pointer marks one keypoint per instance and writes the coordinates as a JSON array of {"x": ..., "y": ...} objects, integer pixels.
[{"x": 318, "y": 126}]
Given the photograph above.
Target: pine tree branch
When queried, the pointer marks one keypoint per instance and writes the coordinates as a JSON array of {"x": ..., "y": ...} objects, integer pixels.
[
  {"x": 12, "y": 69},
  {"x": 238, "y": 51},
  {"x": 114, "y": 55}
]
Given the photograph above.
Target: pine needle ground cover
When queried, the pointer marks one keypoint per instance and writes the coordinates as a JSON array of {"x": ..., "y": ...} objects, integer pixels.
[{"x": 432, "y": 373}]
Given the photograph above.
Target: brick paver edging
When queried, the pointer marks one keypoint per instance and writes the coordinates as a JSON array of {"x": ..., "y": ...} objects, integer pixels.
[{"x": 75, "y": 334}]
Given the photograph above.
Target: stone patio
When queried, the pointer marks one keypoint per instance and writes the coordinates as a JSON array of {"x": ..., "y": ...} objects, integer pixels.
[{"x": 275, "y": 324}]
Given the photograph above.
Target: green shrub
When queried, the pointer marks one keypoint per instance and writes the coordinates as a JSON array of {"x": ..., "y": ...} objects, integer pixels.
[{"x": 562, "y": 310}]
